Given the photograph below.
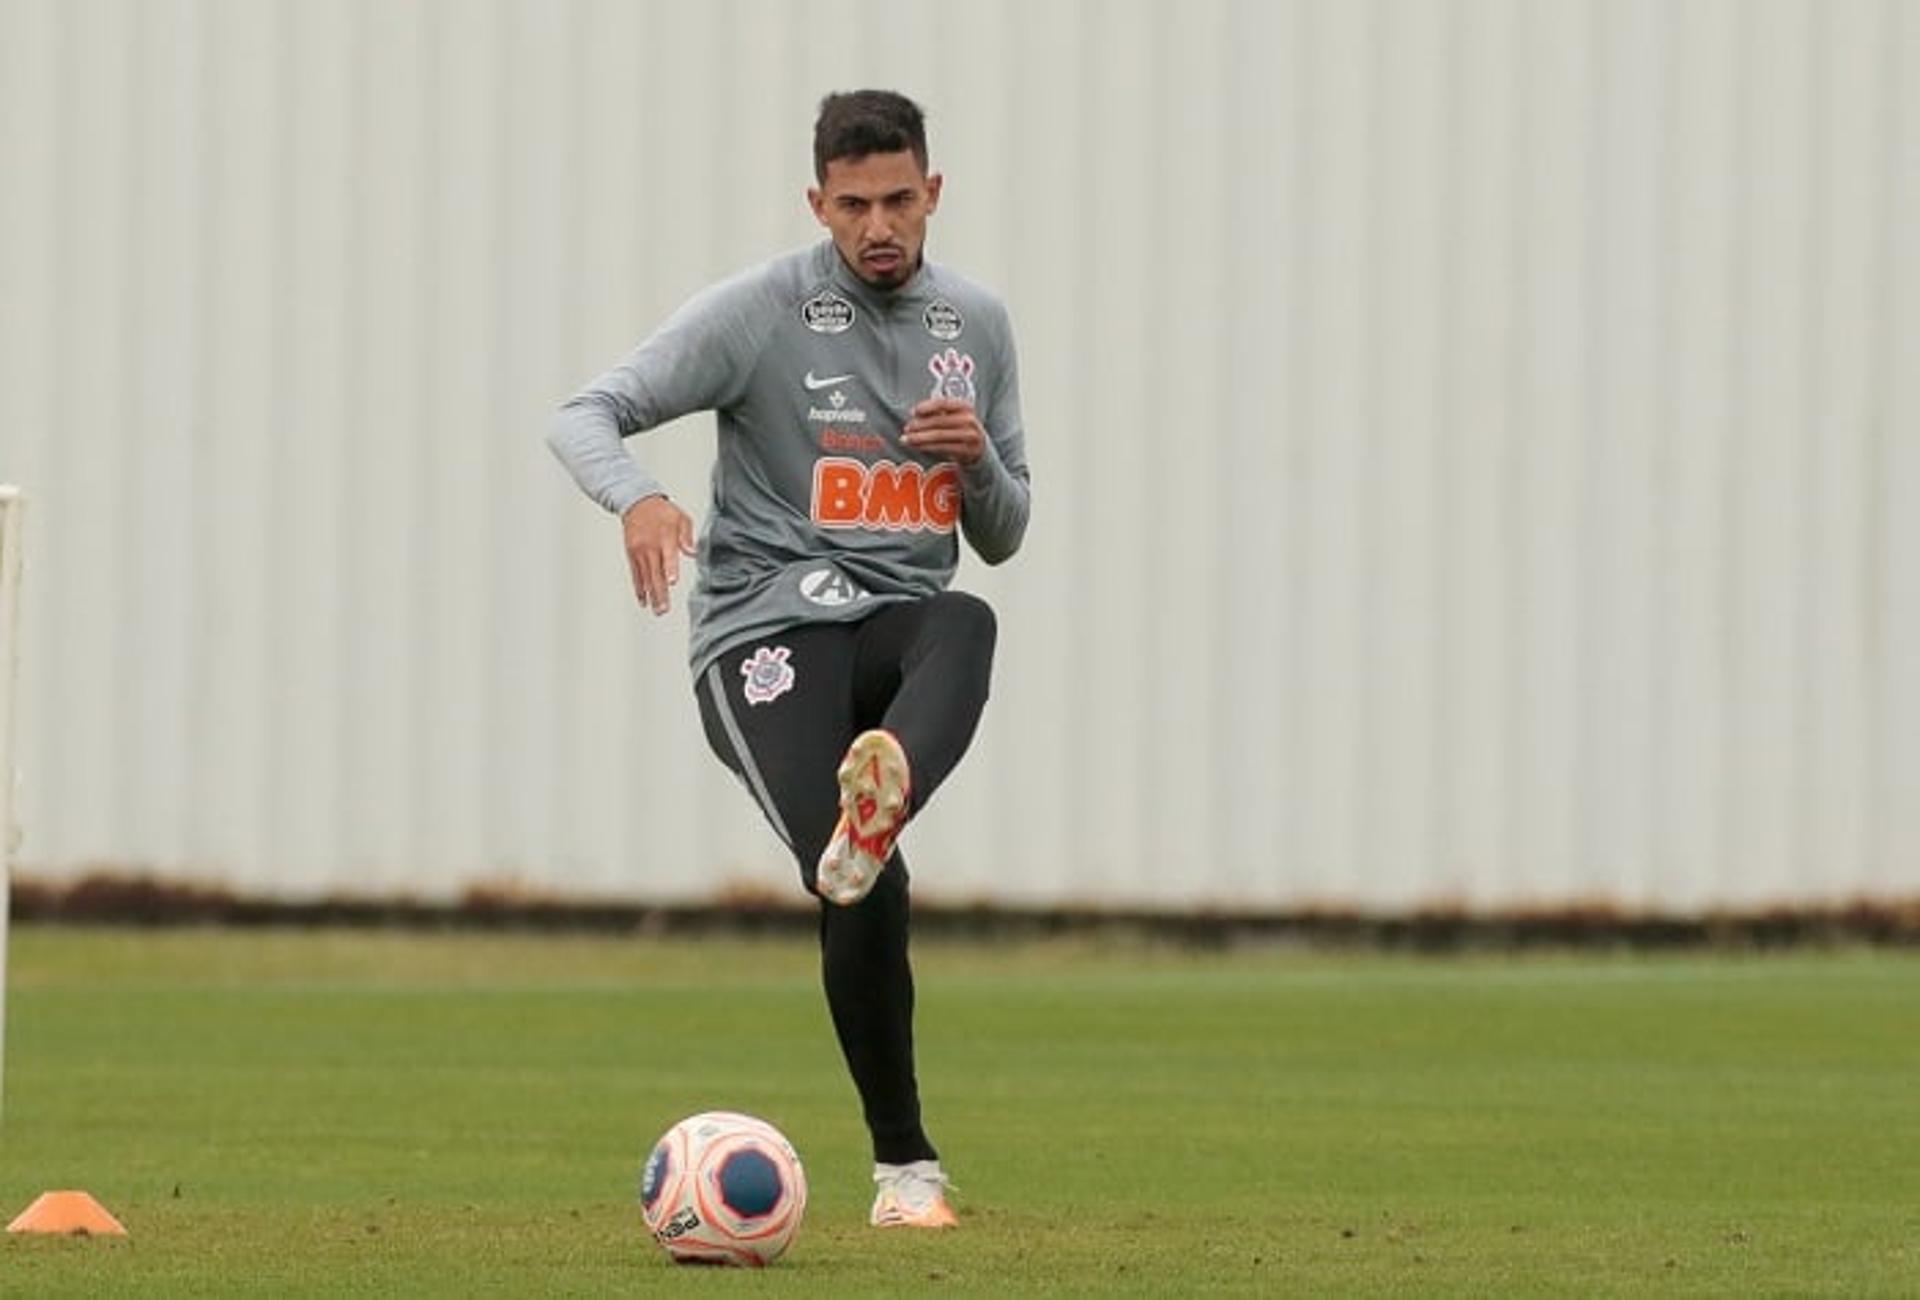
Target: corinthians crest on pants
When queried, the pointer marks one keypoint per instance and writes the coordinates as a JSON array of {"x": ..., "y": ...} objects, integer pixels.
[
  {"x": 952, "y": 375},
  {"x": 768, "y": 674}
]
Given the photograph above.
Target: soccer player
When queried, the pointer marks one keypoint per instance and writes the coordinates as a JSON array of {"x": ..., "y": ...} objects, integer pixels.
[{"x": 868, "y": 411}]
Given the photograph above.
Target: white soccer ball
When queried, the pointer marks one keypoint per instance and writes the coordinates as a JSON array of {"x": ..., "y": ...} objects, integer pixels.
[{"x": 722, "y": 1188}]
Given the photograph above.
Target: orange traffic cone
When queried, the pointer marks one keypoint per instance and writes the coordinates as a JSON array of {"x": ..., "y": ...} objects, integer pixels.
[{"x": 73, "y": 1213}]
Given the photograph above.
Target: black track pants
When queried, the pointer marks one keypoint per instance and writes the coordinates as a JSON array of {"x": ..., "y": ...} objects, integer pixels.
[{"x": 781, "y": 713}]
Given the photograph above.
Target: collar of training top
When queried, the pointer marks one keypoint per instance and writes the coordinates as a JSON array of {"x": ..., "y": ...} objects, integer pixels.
[{"x": 916, "y": 290}]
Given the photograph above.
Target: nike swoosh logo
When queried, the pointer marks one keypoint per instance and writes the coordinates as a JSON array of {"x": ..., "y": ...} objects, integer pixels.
[{"x": 814, "y": 385}]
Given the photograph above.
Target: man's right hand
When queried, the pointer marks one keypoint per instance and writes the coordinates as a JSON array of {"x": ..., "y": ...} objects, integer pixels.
[{"x": 658, "y": 533}]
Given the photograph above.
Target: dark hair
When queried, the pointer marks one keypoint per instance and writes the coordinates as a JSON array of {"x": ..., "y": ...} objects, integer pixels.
[{"x": 855, "y": 123}]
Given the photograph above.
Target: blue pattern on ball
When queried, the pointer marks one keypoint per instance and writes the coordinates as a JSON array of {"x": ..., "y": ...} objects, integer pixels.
[
  {"x": 655, "y": 1177},
  {"x": 750, "y": 1183}
]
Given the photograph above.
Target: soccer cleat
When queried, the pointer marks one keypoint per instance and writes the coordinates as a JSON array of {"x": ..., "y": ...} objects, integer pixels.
[
  {"x": 874, "y": 786},
  {"x": 912, "y": 1196}
]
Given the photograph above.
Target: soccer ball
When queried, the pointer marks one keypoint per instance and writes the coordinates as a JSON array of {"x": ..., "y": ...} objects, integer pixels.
[{"x": 722, "y": 1188}]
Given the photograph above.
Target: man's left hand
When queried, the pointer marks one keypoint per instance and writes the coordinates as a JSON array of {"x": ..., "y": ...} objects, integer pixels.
[{"x": 946, "y": 427}]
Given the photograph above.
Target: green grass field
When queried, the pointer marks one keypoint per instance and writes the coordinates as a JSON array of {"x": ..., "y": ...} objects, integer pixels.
[{"x": 337, "y": 1113}]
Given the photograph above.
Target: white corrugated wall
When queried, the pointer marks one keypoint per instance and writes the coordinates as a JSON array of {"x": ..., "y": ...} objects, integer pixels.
[{"x": 1476, "y": 444}]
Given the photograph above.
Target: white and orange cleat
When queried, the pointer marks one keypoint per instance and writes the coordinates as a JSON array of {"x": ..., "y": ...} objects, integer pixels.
[
  {"x": 912, "y": 1196},
  {"x": 874, "y": 789}
]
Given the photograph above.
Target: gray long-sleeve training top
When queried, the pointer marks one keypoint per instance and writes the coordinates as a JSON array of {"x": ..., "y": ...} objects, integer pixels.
[{"x": 819, "y": 513}]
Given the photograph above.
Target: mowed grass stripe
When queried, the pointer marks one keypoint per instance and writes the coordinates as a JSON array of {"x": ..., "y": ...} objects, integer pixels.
[{"x": 341, "y": 1113}]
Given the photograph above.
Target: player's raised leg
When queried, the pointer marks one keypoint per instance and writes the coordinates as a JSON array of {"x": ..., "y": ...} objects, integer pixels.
[
  {"x": 921, "y": 675},
  {"x": 875, "y": 784}
]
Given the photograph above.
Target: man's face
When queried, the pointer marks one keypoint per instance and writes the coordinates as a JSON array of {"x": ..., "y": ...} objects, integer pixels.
[{"x": 877, "y": 208}]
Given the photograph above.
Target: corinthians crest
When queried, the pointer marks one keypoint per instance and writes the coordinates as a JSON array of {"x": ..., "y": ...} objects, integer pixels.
[
  {"x": 952, "y": 375},
  {"x": 768, "y": 674}
]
